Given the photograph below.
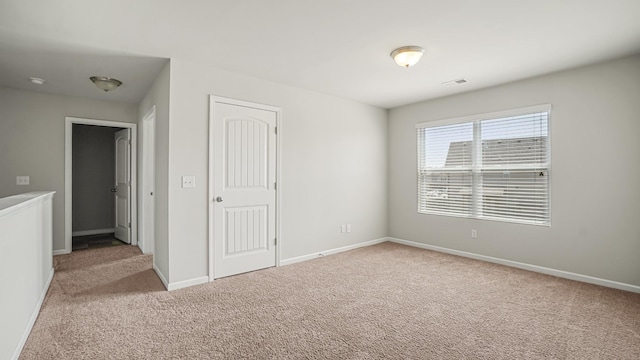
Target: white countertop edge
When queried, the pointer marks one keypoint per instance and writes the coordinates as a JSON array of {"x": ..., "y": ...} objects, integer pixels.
[{"x": 11, "y": 204}]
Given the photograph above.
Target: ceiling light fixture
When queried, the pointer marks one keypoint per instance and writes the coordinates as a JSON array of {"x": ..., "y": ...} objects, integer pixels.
[
  {"x": 37, "y": 81},
  {"x": 105, "y": 83},
  {"x": 407, "y": 55}
]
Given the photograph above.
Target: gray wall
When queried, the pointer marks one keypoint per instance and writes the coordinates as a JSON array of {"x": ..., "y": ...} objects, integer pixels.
[
  {"x": 93, "y": 159},
  {"x": 334, "y": 165},
  {"x": 158, "y": 95},
  {"x": 32, "y": 128},
  {"x": 595, "y": 152}
]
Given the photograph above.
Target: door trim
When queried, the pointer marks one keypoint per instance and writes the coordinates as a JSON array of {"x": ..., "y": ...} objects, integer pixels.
[
  {"x": 213, "y": 99},
  {"x": 68, "y": 147},
  {"x": 147, "y": 182}
]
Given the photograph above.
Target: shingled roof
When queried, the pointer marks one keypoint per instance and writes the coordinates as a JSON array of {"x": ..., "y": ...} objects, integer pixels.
[{"x": 501, "y": 151}]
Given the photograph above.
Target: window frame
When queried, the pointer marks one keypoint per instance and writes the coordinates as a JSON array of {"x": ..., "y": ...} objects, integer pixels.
[{"x": 476, "y": 171}]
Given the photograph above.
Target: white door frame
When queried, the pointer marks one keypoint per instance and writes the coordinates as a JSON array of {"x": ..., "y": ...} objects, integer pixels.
[
  {"x": 148, "y": 183},
  {"x": 68, "y": 147},
  {"x": 218, "y": 99}
]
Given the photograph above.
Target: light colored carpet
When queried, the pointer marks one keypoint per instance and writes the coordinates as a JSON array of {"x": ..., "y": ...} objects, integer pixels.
[{"x": 386, "y": 301}]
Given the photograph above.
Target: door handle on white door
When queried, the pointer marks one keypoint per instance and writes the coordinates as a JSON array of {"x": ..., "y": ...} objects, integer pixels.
[{"x": 219, "y": 199}]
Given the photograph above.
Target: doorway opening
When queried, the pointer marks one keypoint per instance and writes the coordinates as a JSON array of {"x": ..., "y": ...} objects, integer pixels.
[
  {"x": 94, "y": 210},
  {"x": 100, "y": 184}
]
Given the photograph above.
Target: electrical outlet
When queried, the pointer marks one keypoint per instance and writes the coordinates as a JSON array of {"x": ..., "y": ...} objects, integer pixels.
[
  {"x": 343, "y": 228},
  {"x": 474, "y": 233},
  {"x": 348, "y": 228},
  {"x": 22, "y": 180}
]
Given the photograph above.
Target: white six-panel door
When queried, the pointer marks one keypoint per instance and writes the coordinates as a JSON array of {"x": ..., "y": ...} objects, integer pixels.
[
  {"x": 123, "y": 186},
  {"x": 243, "y": 194}
]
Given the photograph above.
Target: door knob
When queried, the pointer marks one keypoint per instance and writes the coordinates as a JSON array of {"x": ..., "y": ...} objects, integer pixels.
[
  {"x": 114, "y": 190},
  {"x": 219, "y": 199}
]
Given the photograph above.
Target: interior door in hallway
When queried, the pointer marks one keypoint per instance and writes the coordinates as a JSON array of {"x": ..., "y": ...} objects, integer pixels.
[
  {"x": 244, "y": 187},
  {"x": 123, "y": 185}
]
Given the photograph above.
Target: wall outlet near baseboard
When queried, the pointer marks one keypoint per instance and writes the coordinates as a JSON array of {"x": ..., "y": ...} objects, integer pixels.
[
  {"x": 474, "y": 233},
  {"x": 22, "y": 180}
]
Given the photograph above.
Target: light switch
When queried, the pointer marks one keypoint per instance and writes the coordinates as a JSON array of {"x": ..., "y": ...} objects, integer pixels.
[
  {"x": 22, "y": 180},
  {"x": 188, "y": 182}
]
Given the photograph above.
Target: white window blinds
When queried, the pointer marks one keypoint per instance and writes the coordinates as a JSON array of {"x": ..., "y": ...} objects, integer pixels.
[
  {"x": 491, "y": 166},
  {"x": 445, "y": 169}
]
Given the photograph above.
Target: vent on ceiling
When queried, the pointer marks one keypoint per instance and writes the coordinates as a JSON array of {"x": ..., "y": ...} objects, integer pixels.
[{"x": 455, "y": 82}]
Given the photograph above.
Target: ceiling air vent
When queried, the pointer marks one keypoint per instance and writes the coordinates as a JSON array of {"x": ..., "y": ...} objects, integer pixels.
[{"x": 455, "y": 82}]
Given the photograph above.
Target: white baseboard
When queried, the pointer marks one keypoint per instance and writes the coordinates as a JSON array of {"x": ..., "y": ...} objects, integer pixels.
[
  {"x": 186, "y": 283},
  {"x": 93, "y": 232},
  {"x": 161, "y": 276},
  {"x": 330, "y": 252},
  {"x": 61, "y": 252},
  {"x": 519, "y": 265},
  {"x": 179, "y": 284},
  {"x": 32, "y": 319}
]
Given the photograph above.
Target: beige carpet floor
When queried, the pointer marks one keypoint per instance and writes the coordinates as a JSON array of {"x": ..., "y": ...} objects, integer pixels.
[{"x": 386, "y": 301}]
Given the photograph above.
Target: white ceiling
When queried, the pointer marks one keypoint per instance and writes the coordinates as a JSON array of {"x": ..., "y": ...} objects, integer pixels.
[
  {"x": 336, "y": 47},
  {"x": 67, "y": 69}
]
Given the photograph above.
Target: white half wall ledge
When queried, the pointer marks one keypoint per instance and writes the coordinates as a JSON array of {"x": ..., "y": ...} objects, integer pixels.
[
  {"x": 524, "y": 266},
  {"x": 316, "y": 255},
  {"x": 15, "y": 203}
]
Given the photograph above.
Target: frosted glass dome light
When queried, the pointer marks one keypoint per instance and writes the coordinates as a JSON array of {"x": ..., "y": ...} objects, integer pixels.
[
  {"x": 407, "y": 55},
  {"x": 106, "y": 83}
]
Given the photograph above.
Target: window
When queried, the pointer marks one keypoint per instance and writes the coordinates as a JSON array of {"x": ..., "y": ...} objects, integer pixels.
[{"x": 491, "y": 166}]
